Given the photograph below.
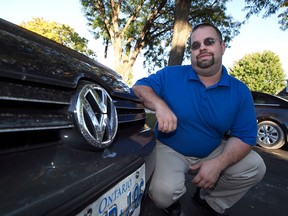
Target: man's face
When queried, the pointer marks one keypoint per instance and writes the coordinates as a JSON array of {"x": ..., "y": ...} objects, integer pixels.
[{"x": 207, "y": 50}]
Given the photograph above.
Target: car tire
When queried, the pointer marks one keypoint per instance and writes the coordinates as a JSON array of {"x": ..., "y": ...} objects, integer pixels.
[{"x": 270, "y": 135}]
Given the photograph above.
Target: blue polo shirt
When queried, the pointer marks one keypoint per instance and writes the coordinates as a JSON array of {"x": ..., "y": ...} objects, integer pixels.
[{"x": 204, "y": 114}]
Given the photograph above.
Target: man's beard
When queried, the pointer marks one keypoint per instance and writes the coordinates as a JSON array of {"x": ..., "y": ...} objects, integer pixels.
[{"x": 206, "y": 64}]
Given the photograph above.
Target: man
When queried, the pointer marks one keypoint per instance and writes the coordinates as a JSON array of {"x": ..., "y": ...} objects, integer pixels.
[{"x": 195, "y": 107}]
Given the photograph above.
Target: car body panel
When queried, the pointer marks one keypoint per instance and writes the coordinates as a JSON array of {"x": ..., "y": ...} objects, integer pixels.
[{"x": 272, "y": 108}]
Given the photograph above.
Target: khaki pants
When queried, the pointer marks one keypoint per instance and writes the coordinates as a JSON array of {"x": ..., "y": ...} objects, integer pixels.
[{"x": 168, "y": 181}]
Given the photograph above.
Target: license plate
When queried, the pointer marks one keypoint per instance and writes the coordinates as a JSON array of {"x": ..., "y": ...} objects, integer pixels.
[{"x": 123, "y": 199}]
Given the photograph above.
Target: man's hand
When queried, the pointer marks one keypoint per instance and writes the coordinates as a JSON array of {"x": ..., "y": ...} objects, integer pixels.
[
  {"x": 208, "y": 173},
  {"x": 167, "y": 121},
  {"x": 210, "y": 170}
]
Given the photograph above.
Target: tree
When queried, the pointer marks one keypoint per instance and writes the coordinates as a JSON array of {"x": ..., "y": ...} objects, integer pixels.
[
  {"x": 60, "y": 33},
  {"x": 260, "y": 72},
  {"x": 194, "y": 12},
  {"x": 269, "y": 7},
  {"x": 181, "y": 31},
  {"x": 133, "y": 26}
]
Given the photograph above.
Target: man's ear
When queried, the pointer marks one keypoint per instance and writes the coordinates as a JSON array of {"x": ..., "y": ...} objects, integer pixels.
[{"x": 223, "y": 48}]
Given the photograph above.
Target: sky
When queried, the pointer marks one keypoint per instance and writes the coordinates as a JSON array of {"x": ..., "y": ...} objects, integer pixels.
[{"x": 256, "y": 36}]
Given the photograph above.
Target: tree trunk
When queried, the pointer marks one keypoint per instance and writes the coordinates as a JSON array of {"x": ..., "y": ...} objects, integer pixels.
[
  {"x": 182, "y": 29},
  {"x": 123, "y": 64}
]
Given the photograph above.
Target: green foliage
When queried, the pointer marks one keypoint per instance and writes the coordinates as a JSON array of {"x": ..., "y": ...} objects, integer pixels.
[
  {"x": 269, "y": 7},
  {"x": 60, "y": 33},
  {"x": 147, "y": 25},
  {"x": 260, "y": 72},
  {"x": 151, "y": 119}
]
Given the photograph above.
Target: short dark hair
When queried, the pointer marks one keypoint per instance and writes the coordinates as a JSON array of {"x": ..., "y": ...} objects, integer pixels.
[{"x": 206, "y": 25}]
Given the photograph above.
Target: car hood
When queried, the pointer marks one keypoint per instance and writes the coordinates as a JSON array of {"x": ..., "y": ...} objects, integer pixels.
[{"x": 43, "y": 68}]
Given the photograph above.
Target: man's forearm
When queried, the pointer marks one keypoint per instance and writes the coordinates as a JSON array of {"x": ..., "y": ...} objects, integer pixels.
[
  {"x": 233, "y": 152},
  {"x": 147, "y": 97}
]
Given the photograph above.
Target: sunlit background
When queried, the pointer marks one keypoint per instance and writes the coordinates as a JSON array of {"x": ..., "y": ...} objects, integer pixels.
[{"x": 256, "y": 36}]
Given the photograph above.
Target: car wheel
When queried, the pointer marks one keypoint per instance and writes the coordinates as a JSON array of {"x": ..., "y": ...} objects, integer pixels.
[{"x": 270, "y": 135}]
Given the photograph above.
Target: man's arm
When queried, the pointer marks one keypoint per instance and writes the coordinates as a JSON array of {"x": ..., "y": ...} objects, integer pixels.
[
  {"x": 167, "y": 121},
  {"x": 233, "y": 152},
  {"x": 210, "y": 170}
]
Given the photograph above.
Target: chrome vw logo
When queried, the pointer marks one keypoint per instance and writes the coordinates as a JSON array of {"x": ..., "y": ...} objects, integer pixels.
[{"x": 96, "y": 115}]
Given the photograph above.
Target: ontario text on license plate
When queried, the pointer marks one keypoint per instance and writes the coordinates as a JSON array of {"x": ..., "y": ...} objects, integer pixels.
[{"x": 123, "y": 199}]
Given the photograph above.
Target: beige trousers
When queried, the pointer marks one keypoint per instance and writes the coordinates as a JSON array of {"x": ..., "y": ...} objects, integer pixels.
[{"x": 168, "y": 181}]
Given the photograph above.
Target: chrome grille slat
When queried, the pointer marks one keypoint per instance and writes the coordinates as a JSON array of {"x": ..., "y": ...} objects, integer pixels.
[
  {"x": 27, "y": 122},
  {"x": 129, "y": 111},
  {"x": 31, "y": 92},
  {"x": 126, "y": 118}
]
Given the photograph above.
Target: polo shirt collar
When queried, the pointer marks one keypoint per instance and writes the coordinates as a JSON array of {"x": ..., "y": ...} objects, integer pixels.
[{"x": 224, "y": 81}]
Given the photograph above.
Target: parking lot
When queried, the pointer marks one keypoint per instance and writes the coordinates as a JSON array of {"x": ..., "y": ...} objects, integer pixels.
[{"x": 269, "y": 197}]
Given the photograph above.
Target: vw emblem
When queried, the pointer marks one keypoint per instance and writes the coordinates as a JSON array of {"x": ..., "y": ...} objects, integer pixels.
[{"x": 96, "y": 115}]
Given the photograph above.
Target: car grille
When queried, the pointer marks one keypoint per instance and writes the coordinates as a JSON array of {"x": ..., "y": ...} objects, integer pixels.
[{"x": 33, "y": 115}]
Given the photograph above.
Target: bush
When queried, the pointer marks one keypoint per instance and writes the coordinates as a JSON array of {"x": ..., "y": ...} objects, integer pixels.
[{"x": 151, "y": 119}]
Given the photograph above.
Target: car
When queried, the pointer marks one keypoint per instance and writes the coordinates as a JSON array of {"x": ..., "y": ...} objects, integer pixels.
[
  {"x": 272, "y": 118},
  {"x": 74, "y": 139},
  {"x": 284, "y": 92}
]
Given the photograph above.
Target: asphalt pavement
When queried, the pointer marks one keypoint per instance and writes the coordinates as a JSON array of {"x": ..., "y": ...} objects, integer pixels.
[{"x": 268, "y": 198}]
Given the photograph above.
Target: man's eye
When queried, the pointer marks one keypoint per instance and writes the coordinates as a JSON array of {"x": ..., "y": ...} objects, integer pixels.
[{"x": 195, "y": 46}]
